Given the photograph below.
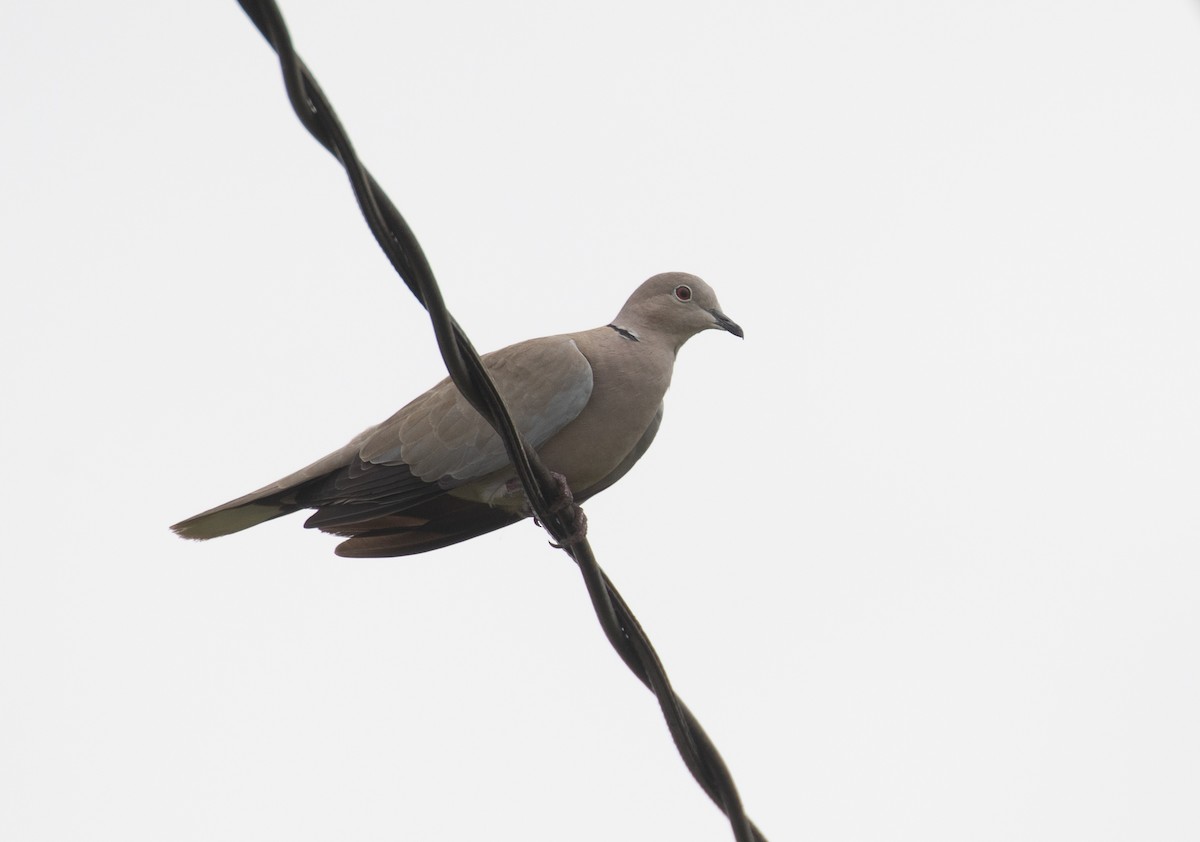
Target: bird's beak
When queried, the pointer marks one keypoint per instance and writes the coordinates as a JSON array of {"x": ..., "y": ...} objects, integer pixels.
[{"x": 726, "y": 323}]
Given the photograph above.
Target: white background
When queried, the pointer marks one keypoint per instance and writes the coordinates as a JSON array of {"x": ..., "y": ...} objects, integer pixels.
[{"x": 921, "y": 553}]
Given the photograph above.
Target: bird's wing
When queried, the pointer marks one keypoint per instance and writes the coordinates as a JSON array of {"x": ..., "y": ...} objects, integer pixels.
[
  {"x": 440, "y": 437},
  {"x": 435, "y": 443}
]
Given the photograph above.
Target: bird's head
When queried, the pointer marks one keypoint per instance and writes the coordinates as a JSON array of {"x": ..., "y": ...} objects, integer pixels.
[{"x": 675, "y": 305}]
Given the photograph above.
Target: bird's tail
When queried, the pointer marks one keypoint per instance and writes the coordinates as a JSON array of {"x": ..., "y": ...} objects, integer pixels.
[
  {"x": 233, "y": 516},
  {"x": 267, "y": 503}
]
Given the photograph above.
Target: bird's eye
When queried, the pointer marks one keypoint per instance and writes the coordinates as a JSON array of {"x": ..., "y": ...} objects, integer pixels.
[{"x": 683, "y": 292}]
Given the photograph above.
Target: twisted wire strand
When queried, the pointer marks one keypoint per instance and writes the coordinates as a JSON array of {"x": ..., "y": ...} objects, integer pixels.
[{"x": 466, "y": 369}]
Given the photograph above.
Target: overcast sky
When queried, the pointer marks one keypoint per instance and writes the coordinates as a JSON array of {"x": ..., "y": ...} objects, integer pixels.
[{"x": 922, "y": 553}]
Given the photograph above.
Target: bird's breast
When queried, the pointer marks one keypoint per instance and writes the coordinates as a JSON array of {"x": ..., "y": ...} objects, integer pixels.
[{"x": 627, "y": 390}]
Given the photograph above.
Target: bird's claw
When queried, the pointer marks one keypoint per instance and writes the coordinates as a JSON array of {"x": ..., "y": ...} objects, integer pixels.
[{"x": 564, "y": 501}]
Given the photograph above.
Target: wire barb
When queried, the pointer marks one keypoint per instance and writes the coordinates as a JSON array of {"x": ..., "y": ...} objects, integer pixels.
[{"x": 548, "y": 495}]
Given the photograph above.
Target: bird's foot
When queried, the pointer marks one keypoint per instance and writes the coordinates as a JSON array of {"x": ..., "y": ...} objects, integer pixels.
[
  {"x": 564, "y": 504},
  {"x": 564, "y": 499}
]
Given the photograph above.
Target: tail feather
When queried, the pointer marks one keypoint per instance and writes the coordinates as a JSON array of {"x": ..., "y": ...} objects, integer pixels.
[
  {"x": 269, "y": 502},
  {"x": 225, "y": 520}
]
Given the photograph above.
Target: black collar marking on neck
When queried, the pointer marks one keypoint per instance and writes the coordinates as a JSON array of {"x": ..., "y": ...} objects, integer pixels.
[{"x": 628, "y": 334}]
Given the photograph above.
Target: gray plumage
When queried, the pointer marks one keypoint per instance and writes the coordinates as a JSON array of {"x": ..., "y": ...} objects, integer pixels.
[{"x": 436, "y": 473}]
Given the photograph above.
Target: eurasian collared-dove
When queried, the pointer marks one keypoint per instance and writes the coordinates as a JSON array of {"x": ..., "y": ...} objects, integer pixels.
[{"x": 435, "y": 473}]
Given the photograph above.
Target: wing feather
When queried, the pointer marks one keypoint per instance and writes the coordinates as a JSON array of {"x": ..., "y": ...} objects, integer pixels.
[{"x": 545, "y": 383}]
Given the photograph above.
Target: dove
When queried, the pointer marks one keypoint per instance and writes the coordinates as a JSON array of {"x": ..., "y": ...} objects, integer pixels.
[{"x": 436, "y": 473}]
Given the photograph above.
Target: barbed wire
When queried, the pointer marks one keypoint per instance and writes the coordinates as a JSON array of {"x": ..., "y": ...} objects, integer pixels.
[{"x": 550, "y": 501}]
